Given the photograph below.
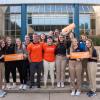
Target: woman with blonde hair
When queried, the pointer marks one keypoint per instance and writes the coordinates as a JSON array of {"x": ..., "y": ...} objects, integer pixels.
[
  {"x": 75, "y": 69},
  {"x": 10, "y": 65},
  {"x": 20, "y": 64},
  {"x": 92, "y": 67}
]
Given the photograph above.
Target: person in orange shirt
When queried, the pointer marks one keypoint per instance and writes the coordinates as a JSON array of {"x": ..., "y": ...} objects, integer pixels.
[
  {"x": 49, "y": 60},
  {"x": 35, "y": 56}
]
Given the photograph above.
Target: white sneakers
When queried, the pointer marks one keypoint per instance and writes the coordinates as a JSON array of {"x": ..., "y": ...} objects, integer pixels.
[
  {"x": 60, "y": 84},
  {"x": 77, "y": 93},
  {"x": 2, "y": 93},
  {"x": 73, "y": 93},
  {"x": 14, "y": 85},
  {"x": 8, "y": 86},
  {"x": 23, "y": 87}
]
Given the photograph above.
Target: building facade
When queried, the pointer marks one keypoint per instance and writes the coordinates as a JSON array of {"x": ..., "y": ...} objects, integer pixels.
[{"x": 18, "y": 17}]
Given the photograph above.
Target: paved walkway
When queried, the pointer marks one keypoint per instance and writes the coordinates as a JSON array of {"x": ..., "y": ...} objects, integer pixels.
[{"x": 47, "y": 96}]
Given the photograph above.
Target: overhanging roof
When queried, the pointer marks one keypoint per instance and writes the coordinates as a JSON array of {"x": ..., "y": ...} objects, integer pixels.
[{"x": 93, "y": 2}]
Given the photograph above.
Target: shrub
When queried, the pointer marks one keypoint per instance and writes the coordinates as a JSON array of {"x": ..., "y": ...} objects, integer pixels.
[{"x": 96, "y": 40}]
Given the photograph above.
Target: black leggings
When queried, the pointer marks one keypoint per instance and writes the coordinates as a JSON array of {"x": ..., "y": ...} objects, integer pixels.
[
  {"x": 27, "y": 66},
  {"x": 22, "y": 69},
  {"x": 10, "y": 68}
]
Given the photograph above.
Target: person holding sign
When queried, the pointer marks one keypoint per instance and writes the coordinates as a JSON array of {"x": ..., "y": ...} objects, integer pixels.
[
  {"x": 92, "y": 67},
  {"x": 10, "y": 65},
  {"x": 75, "y": 69}
]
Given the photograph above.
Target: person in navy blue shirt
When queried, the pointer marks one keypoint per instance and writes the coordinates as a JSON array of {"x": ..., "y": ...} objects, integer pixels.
[{"x": 92, "y": 67}]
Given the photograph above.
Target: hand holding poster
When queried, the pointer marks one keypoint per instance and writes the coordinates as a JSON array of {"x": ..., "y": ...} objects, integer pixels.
[
  {"x": 13, "y": 57},
  {"x": 82, "y": 55}
]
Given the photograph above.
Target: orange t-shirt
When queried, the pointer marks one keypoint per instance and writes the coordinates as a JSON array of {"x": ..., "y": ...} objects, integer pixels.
[
  {"x": 35, "y": 52},
  {"x": 49, "y": 52}
]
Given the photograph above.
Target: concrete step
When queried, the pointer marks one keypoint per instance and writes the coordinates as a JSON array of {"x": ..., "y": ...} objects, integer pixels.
[{"x": 49, "y": 89}]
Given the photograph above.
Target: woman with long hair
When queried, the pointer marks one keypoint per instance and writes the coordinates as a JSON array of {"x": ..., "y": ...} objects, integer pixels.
[
  {"x": 20, "y": 49},
  {"x": 43, "y": 38},
  {"x": 61, "y": 60},
  {"x": 75, "y": 69},
  {"x": 2, "y": 53},
  {"x": 92, "y": 67},
  {"x": 10, "y": 65}
]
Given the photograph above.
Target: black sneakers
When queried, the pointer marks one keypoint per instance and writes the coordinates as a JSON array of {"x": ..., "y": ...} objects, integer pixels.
[{"x": 91, "y": 93}]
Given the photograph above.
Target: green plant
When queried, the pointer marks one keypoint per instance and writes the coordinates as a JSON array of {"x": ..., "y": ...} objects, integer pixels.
[{"x": 95, "y": 39}]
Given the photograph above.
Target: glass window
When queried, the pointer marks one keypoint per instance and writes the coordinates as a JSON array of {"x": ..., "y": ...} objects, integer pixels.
[
  {"x": 18, "y": 24},
  {"x": 13, "y": 21},
  {"x": 53, "y": 8},
  {"x": 85, "y": 23},
  {"x": 86, "y": 10},
  {"x": 47, "y": 8},
  {"x": 91, "y": 10},
  {"x": 81, "y": 9},
  {"x": 7, "y": 24},
  {"x": 15, "y": 9},
  {"x": 41, "y": 8},
  {"x": 69, "y": 9},
  {"x": 64, "y": 10},
  {"x": 85, "y": 19},
  {"x": 36, "y": 8},
  {"x": 30, "y": 9},
  {"x": 59, "y": 8}
]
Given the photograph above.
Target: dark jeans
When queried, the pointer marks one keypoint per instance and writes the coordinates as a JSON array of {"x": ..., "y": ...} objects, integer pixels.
[
  {"x": 35, "y": 67},
  {"x": 27, "y": 64},
  {"x": 10, "y": 68},
  {"x": 22, "y": 69}
]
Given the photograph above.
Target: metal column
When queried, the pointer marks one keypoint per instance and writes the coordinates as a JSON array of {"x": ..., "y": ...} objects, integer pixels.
[
  {"x": 76, "y": 20},
  {"x": 23, "y": 21}
]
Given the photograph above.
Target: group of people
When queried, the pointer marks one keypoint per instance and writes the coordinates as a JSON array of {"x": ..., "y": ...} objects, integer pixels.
[{"x": 46, "y": 54}]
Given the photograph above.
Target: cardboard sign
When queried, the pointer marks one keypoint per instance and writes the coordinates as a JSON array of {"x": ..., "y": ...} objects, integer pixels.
[
  {"x": 76, "y": 55},
  {"x": 68, "y": 28},
  {"x": 13, "y": 57}
]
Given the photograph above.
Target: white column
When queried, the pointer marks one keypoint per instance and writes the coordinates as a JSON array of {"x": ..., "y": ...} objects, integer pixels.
[{"x": 97, "y": 14}]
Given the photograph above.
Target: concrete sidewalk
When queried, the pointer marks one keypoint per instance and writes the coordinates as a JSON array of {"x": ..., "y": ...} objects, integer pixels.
[{"x": 48, "y": 96}]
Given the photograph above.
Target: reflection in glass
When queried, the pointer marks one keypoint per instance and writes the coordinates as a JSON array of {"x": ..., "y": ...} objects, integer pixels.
[{"x": 13, "y": 21}]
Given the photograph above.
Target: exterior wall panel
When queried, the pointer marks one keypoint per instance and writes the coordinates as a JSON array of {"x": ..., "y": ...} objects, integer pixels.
[{"x": 49, "y": 1}]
